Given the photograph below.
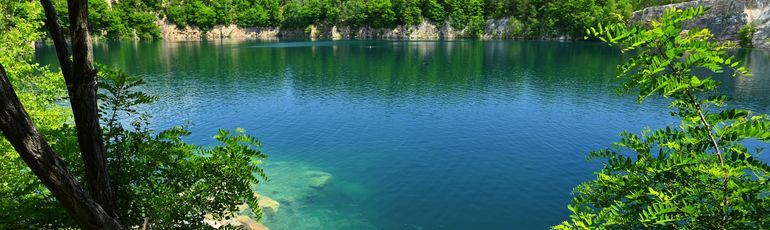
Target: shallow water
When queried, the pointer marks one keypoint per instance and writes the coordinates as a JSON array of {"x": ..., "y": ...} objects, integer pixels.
[{"x": 413, "y": 135}]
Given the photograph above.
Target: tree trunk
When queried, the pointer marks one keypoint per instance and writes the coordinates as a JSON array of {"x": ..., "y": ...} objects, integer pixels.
[
  {"x": 81, "y": 79},
  {"x": 46, "y": 164}
]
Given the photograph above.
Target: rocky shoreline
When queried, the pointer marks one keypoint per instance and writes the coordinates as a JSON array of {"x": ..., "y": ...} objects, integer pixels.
[
  {"x": 724, "y": 18},
  {"x": 426, "y": 30}
]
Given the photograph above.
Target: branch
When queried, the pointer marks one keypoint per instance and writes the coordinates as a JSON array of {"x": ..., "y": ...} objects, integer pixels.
[
  {"x": 81, "y": 80},
  {"x": 19, "y": 130},
  {"x": 709, "y": 131},
  {"x": 59, "y": 41},
  {"x": 715, "y": 144}
]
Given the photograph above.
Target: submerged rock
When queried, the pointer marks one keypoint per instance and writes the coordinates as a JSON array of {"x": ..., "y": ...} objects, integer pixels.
[
  {"x": 268, "y": 205},
  {"x": 318, "y": 179},
  {"x": 250, "y": 224},
  {"x": 239, "y": 222}
]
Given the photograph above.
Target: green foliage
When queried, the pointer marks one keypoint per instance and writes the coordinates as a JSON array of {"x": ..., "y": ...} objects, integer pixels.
[
  {"x": 433, "y": 10},
  {"x": 24, "y": 201},
  {"x": 516, "y": 28},
  {"x": 697, "y": 175},
  {"x": 407, "y": 12},
  {"x": 571, "y": 17},
  {"x": 156, "y": 175},
  {"x": 538, "y": 17},
  {"x": 746, "y": 34},
  {"x": 207, "y": 13},
  {"x": 467, "y": 13},
  {"x": 301, "y": 13},
  {"x": 374, "y": 13},
  {"x": 124, "y": 20},
  {"x": 641, "y": 4},
  {"x": 136, "y": 19}
]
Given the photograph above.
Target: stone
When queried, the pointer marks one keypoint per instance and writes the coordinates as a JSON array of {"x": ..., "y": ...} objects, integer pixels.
[
  {"x": 318, "y": 179},
  {"x": 250, "y": 224},
  {"x": 268, "y": 205},
  {"x": 239, "y": 221}
]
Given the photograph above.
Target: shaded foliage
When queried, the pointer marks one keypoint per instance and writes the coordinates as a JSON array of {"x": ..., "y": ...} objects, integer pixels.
[
  {"x": 156, "y": 175},
  {"x": 160, "y": 177}
]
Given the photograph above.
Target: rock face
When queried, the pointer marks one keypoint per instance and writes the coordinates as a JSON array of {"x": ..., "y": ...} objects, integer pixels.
[
  {"x": 723, "y": 17},
  {"x": 425, "y": 30},
  {"x": 172, "y": 32}
]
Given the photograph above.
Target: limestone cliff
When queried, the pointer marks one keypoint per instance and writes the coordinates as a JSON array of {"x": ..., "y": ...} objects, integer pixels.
[
  {"x": 724, "y": 18},
  {"x": 426, "y": 30}
]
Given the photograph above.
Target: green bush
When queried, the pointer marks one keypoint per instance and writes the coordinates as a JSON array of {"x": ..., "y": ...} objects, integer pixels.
[
  {"x": 515, "y": 28},
  {"x": 433, "y": 10},
  {"x": 746, "y": 35},
  {"x": 155, "y": 174},
  {"x": 407, "y": 12},
  {"x": 254, "y": 16},
  {"x": 373, "y": 13},
  {"x": 697, "y": 175}
]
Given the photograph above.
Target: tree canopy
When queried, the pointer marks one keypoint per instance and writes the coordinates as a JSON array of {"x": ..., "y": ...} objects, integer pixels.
[{"x": 536, "y": 18}]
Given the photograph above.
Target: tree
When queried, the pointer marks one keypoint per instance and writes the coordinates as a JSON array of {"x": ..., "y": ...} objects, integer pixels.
[
  {"x": 156, "y": 177},
  {"x": 697, "y": 175},
  {"x": 95, "y": 209}
]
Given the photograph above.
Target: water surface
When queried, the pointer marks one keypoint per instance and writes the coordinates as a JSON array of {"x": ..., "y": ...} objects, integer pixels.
[{"x": 409, "y": 135}]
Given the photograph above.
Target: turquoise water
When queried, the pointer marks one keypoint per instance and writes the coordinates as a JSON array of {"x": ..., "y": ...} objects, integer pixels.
[{"x": 409, "y": 135}]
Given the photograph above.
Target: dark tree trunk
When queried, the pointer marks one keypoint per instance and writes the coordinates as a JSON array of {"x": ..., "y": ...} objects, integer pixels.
[
  {"x": 46, "y": 164},
  {"x": 81, "y": 79}
]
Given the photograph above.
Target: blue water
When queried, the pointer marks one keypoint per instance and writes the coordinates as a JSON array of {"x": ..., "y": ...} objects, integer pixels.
[{"x": 412, "y": 135}]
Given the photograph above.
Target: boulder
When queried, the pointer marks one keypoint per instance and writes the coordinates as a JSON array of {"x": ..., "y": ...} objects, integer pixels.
[
  {"x": 239, "y": 222},
  {"x": 318, "y": 179},
  {"x": 250, "y": 224},
  {"x": 268, "y": 205}
]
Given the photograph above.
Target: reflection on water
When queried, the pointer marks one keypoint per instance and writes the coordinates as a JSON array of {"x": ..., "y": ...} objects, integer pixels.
[{"x": 412, "y": 135}]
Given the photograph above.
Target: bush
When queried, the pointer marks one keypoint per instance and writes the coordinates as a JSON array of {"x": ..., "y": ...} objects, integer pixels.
[
  {"x": 697, "y": 175},
  {"x": 407, "y": 12},
  {"x": 155, "y": 174},
  {"x": 515, "y": 28},
  {"x": 433, "y": 10},
  {"x": 746, "y": 35},
  {"x": 373, "y": 13},
  {"x": 254, "y": 16}
]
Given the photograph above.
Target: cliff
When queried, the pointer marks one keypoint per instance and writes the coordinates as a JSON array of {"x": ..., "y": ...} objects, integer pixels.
[
  {"x": 426, "y": 30},
  {"x": 723, "y": 17}
]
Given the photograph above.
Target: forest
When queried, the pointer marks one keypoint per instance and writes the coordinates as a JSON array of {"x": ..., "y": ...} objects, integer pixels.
[{"x": 136, "y": 19}]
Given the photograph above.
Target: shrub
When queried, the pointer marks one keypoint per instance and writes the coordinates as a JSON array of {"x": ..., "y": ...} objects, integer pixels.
[
  {"x": 697, "y": 175},
  {"x": 746, "y": 34}
]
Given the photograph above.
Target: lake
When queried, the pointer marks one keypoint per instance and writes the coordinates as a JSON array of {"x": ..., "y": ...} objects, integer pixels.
[{"x": 409, "y": 135}]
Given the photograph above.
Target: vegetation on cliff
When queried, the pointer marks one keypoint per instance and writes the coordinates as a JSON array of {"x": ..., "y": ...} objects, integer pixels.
[{"x": 531, "y": 18}]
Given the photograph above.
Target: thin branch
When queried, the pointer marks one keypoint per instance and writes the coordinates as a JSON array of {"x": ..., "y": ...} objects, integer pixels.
[
  {"x": 715, "y": 144},
  {"x": 59, "y": 41},
  {"x": 710, "y": 132}
]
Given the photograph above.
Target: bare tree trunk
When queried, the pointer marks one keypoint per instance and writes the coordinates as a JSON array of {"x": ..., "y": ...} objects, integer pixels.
[
  {"x": 46, "y": 164},
  {"x": 81, "y": 79}
]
